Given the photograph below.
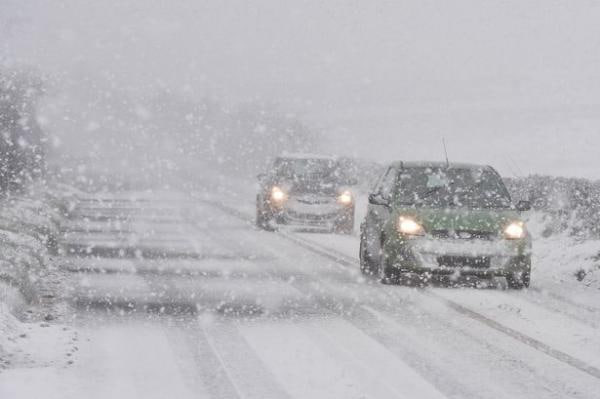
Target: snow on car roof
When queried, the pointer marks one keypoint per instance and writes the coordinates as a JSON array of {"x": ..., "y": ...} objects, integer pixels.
[
  {"x": 433, "y": 164},
  {"x": 307, "y": 156}
]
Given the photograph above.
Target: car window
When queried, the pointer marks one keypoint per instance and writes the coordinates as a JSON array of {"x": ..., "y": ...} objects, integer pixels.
[
  {"x": 309, "y": 169},
  {"x": 452, "y": 187},
  {"x": 385, "y": 186}
]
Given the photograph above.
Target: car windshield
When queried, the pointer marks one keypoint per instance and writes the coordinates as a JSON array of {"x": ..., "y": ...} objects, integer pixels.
[
  {"x": 308, "y": 169},
  {"x": 477, "y": 188}
]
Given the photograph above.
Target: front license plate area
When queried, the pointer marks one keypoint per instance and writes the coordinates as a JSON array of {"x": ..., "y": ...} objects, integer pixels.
[{"x": 464, "y": 261}]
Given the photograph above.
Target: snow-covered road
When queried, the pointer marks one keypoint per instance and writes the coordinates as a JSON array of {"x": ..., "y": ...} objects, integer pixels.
[{"x": 181, "y": 297}]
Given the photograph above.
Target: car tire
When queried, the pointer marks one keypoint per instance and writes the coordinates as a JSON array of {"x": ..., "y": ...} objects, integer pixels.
[
  {"x": 262, "y": 219},
  {"x": 518, "y": 281},
  {"x": 346, "y": 226},
  {"x": 346, "y": 229},
  {"x": 366, "y": 265},
  {"x": 392, "y": 276},
  {"x": 387, "y": 275}
]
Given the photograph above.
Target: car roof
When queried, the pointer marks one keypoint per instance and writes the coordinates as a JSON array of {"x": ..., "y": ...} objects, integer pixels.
[
  {"x": 430, "y": 164},
  {"x": 307, "y": 156}
]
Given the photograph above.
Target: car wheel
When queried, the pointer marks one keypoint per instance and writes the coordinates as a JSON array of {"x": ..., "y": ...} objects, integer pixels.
[
  {"x": 386, "y": 275},
  {"x": 526, "y": 277},
  {"x": 518, "y": 281},
  {"x": 366, "y": 265},
  {"x": 394, "y": 276},
  {"x": 346, "y": 226},
  {"x": 262, "y": 219}
]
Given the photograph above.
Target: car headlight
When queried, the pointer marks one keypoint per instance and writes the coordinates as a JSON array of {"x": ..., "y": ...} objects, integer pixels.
[
  {"x": 345, "y": 198},
  {"x": 515, "y": 231},
  {"x": 278, "y": 195},
  {"x": 408, "y": 226}
]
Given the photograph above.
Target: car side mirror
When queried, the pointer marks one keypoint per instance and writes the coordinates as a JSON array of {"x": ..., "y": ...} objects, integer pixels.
[
  {"x": 378, "y": 199},
  {"x": 523, "y": 206}
]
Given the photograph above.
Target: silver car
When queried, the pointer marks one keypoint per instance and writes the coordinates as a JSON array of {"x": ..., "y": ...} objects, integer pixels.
[{"x": 306, "y": 190}]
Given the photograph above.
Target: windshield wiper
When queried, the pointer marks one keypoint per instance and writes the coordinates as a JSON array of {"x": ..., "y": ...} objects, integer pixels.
[{"x": 429, "y": 192}]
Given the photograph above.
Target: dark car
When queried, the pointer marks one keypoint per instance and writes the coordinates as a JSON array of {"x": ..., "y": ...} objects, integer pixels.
[
  {"x": 444, "y": 220},
  {"x": 306, "y": 190}
]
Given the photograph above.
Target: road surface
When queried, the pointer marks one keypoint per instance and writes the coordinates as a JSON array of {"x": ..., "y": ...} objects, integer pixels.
[{"x": 174, "y": 296}]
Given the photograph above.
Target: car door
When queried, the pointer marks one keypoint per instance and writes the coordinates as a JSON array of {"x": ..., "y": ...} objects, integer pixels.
[{"x": 378, "y": 213}]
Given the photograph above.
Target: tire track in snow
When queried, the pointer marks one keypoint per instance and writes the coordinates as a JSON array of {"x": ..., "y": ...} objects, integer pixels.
[
  {"x": 346, "y": 261},
  {"x": 341, "y": 309},
  {"x": 246, "y": 374},
  {"x": 198, "y": 351},
  {"x": 190, "y": 339},
  {"x": 568, "y": 301},
  {"x": 216, "y": 350},
  {"x": 244, "y": 368},
  {"x": 399, "y": 344},
  {"x": 557, "y": 309},
  {"x": 337, "y": 260},
  {"x": 521, "y": 337},
  {"x": 412, "y": 345},
  {"x": 200, "y": 364}
]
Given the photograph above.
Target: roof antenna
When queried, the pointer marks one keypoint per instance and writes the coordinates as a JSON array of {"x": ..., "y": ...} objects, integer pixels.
[{"x": 445, "y": 152}]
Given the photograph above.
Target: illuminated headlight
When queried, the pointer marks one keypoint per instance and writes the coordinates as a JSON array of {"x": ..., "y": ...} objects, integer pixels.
[
  {"x": 410, "y": 227},
  {"x": 515, "y": 231},
  {"x": 345, "y": 198},
  {"x": 277, "y": 194}
]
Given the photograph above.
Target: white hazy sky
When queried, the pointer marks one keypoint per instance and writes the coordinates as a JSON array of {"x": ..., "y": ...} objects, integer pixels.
[{"x": 513, "y": 83}]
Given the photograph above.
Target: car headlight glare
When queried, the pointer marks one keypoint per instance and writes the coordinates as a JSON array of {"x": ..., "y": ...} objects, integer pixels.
[
  {"x": 277, "y": 194},
  {"x": 345, "y": 198},
  {"x": 408, "y": 226},
  {"x": 515, "y": 231}
]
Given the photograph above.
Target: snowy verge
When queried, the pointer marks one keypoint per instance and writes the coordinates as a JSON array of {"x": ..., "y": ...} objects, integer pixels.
[
  {"x": 29, "y": 229},
  {"x": 562, "y": 259},
  {"x": 30, "y": 282},
  {"x": 34, "y": 344}
]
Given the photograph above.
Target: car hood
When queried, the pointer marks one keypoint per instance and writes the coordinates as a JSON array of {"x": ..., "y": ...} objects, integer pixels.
[
  {"x": 459, "y": 219},
  {"x": 301, "y": 187}
]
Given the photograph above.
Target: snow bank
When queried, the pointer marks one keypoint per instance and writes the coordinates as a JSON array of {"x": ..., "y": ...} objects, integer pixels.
[
  {"x": 26, "y": 345},
  {"x": 29, "y": 229},
  {"x": 561, "y": 257}
]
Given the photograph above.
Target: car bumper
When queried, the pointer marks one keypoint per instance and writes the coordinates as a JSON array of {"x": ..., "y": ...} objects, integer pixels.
[
  {"x": 461, "y": 271},
  {"x": 315, "y": 216},
  {"x": 482, "y": 258}
]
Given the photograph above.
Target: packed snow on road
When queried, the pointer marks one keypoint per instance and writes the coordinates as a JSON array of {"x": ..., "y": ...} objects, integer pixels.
[{"x": 299, "y": 200}]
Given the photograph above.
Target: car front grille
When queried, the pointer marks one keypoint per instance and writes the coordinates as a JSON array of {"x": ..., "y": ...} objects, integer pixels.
[
  {"x": 464, "y": 261},
  {"x": 463, "y": 234},
  {"x": 310, "y": 217},
  {"x": 315, "y": 200}
]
